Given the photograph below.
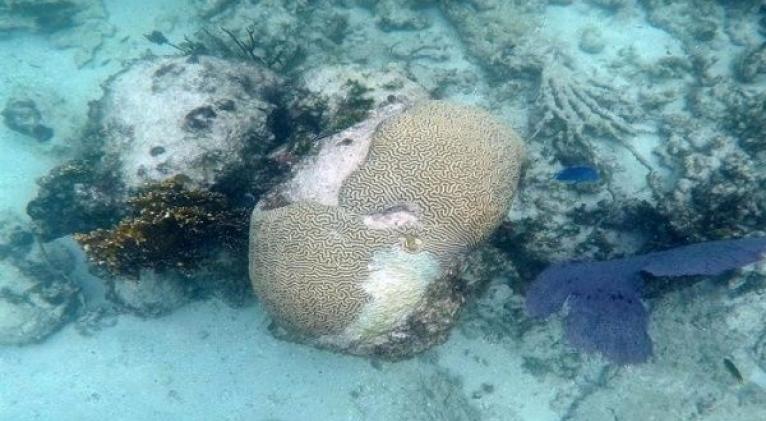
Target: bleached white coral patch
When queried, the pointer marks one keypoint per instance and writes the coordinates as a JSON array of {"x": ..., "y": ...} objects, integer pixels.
[
  {"x": 396, "y": 217},
  {"x": 397, "y": 283},
  {"x": 319, "y": 179}
]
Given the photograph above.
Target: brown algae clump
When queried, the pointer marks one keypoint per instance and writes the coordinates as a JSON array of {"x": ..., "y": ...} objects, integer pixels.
[{"x": 169, "y": 226}]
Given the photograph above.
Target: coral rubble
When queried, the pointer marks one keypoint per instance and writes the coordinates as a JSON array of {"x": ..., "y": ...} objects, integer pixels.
[{"x": 575, "y": 111}]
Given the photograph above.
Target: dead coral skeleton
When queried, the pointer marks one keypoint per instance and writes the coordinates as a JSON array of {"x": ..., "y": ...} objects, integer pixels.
[{"x": 578, "y": 107}]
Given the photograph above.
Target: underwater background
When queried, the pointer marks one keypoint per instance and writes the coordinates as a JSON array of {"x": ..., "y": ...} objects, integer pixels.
[{"x": 137, "y": 137}]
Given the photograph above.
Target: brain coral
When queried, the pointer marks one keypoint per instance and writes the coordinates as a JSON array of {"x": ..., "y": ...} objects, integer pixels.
[
  {"x": 375, "y": 271},
  {"x": 455, "y": 167},
  {"x": 306, "y": 264}
]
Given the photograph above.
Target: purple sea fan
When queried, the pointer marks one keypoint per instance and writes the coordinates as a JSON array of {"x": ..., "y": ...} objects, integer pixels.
[{"x": 604, "y": 309}]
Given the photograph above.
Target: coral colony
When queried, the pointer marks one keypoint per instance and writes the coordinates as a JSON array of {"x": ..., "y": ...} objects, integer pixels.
[{"x": 367, "y": 263}]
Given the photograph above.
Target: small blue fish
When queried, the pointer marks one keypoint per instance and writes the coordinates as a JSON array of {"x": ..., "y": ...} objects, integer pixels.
[{"x": 578, "y": 174}]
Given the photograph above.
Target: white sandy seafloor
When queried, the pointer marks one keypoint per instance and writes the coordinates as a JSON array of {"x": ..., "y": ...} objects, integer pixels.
[{"x": 209, "y": 361}]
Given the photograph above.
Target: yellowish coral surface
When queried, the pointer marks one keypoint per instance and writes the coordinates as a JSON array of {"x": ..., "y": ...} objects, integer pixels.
[{"x": 437, "y": 180}]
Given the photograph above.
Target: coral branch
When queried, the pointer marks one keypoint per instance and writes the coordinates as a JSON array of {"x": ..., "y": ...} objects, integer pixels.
[
  {"x": 578, "y": 106},
  {"x": 572, "y": 109}
]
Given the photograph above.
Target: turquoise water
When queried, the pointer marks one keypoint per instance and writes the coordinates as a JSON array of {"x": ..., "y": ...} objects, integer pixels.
[{"x": 169, "y": 121}]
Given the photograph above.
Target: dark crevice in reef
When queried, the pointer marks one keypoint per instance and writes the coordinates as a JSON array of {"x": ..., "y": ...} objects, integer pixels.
[
  {"x": 510, "y": 239},
  {"x": 77, "y": 196},
  {"x": 265, "y": 162},
  {"x": 298, "y": 118}
]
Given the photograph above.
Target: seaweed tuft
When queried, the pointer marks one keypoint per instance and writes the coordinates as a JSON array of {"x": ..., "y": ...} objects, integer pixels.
[
  {"x": 168, "y": 226},
  {"x": 354, "y": 108}
]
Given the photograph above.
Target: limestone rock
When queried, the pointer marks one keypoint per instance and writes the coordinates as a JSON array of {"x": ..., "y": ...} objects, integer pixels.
[{"x": 168, "y": 116}]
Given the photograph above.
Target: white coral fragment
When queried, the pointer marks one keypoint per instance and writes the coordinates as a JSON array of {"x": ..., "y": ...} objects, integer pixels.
[{"x": 579, "y": 106}]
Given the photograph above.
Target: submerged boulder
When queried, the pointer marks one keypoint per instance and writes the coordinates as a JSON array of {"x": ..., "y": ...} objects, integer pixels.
[
  {"x": 361, "y": 251},
  {"x": 167, "y": 116},
  {"x": 36, "y": 295},
  {"x": 23, "y": 116},
  {"x": 204, "y": 120},
  {"x": 29, "y": 309},
  {"x": 151, "y": 295}
]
